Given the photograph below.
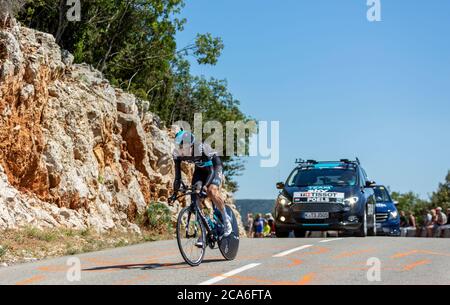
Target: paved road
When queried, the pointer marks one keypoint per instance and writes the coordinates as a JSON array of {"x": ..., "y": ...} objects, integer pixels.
[{"x": 260, "y": 262}]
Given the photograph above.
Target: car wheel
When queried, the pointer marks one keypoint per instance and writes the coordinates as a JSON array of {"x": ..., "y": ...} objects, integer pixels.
[
  {"x": 281, "y": 234},
  {"x": 300, "y": 233},
  {"x": 362, "y": 232},
  {"x": 373, "y": 229}
]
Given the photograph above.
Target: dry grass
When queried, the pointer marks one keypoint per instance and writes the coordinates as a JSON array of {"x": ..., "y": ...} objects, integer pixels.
[{"x": 29, "y": 244}]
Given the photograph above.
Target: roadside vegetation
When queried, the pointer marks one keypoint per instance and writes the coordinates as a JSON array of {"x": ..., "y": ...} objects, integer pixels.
[
  {"x": 411, "y": 202},
  {"x": 32, "y": 244}
]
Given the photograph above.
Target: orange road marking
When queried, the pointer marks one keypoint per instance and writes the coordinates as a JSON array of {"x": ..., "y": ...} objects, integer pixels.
[
  {"x": 353, "y": 253},
  {"x": 404, "y": 254},
  {"x": 306, "y": 279},
  {"x": 295, "y": 262},
  {"x": 31, "y": 280},
  {"x": 52, "y": 268},
  {"x": 416, "y": 264},
  {"x": 318, "y": 250}
]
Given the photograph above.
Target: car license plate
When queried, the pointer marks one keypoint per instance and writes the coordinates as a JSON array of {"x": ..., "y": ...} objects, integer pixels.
[{"x": 316, "y": 215}]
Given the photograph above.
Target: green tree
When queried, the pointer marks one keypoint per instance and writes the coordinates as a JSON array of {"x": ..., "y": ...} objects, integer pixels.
[{"x": 412, "y": 203}]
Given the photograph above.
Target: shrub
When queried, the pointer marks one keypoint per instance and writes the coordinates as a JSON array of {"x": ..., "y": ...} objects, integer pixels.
[
  {"x": 3, "y": 250},
  {"x": 159, "y": 217}
]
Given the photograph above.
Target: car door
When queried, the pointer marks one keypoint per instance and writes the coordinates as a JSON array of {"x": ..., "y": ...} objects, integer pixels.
[{"x": 368, "y": 194}]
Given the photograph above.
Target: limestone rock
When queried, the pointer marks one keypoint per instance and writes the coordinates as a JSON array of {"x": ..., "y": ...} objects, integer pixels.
[{"x": 74, "y": 151}]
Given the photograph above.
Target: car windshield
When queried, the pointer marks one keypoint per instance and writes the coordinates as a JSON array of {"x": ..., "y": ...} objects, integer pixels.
[
  {"x": 381, "y": 194},
  {"x": 323, "y": 177}
]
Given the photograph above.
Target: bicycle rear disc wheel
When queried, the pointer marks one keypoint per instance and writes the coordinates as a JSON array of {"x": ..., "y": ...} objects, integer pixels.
[
  {"x": 229, "y": 245},
  {"x": 189, "y": 230}
]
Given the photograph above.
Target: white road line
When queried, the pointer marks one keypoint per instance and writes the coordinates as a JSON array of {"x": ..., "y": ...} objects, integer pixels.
[
  {"x": 291, "y": 251},
  {"x": 328, "y": 240},
  {"x": 228, "y": 274}
]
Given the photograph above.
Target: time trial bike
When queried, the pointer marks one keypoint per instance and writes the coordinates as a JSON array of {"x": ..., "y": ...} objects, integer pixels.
[{"x": 197, "y": 230}]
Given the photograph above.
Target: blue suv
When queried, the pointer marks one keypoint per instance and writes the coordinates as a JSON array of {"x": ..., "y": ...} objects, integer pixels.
[
  {"x": 388, "y": 219},
  {"x": 324, "y": 196}
]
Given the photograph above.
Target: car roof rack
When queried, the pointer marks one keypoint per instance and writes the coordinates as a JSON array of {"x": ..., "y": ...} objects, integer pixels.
[
  {"x": 305, "y": 162},
  {"x": 302, "y": 162},
  {"x": 349, "y": 161}
]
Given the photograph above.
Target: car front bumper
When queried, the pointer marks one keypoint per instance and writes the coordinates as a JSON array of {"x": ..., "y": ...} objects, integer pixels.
[
  {"x": 292, "y": 218},
  {"x": 388, "y": 228},
  {"x": 326, "y": 226}
]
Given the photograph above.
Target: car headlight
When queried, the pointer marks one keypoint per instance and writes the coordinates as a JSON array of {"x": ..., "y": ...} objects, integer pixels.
[
  {"x": 351, "y": 201},
  {"x": 393, "y": 215},
  {"x": 283, "y": 201}
]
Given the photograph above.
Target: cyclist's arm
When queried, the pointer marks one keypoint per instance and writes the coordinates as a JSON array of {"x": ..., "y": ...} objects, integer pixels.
[
  {"x": 177, "y": 181},
  {"x": 218, "y": 165},
  {"x": 211, "y": 175},
  {"x": 214, "y": 170}
]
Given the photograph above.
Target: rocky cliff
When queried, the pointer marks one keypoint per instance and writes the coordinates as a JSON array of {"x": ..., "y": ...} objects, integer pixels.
[{"x": 74, "y": 151}]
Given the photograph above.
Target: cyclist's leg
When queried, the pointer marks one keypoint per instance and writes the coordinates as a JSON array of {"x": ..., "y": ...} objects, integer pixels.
[
  {"x": 216, "y": 198},
  {"x": 198, "y": 180}
]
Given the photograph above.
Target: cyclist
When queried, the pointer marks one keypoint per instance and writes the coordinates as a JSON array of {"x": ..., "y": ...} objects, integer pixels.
[{"x": 207, "y": 174}]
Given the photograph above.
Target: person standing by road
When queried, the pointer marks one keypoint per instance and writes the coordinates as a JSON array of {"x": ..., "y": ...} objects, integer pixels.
[
  {"x": 250, "y": 225},
  {"x": 445, "y": 229},
  {"x": 440, "y": 222},
  {"x": 266, "y": 232},
  {"x": 412, "y": 220},
  {"x": 404, "y": 223},
  {"x": 431, "y": 226},
  {"x": 259, "y": 226}
]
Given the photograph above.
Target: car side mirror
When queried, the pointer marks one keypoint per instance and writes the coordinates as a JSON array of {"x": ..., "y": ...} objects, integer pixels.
[
  {"x": 370, "y": 184},
  {"x": 395, "y": 202},
  {"x": 280, "y": 185}
]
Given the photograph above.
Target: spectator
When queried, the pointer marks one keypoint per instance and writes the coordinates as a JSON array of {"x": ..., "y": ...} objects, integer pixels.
[
  {"x": 249, "y": 226},
  {"x": 272, "y": 225},
  {"x": 259, "y": 226},
  {"x": 407, "y": 224},
  {"x": 412, "y": 220},
  {"x": 441, "y": 217},
  {"x": 431, "y": 224},
  {"x": 445, "y": 227},
  {"x": 404, "y": 223},
  {"x": 267, "y": 229},
  {"x": 426, "y": 221},
  {"x": 441, "y": 221}
]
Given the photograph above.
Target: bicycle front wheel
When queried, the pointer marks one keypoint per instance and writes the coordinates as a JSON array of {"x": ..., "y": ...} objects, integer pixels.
[{"x": 191, "y": 237}]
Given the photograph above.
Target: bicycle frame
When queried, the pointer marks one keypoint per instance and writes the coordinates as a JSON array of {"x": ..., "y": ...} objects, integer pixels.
[{"x": 196, "y": 209}]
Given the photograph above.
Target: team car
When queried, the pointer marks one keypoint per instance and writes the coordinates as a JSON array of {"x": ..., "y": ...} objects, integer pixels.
[
  {"x": 326, "y": 196},
  {"x": 388, "y": 218}
]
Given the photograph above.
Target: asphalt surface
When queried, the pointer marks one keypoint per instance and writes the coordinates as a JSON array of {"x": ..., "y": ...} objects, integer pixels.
[{"x": 260, "y": 262}]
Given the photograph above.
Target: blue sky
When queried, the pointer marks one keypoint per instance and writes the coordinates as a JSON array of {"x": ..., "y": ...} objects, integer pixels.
[{"x": 339, "y": 85}]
